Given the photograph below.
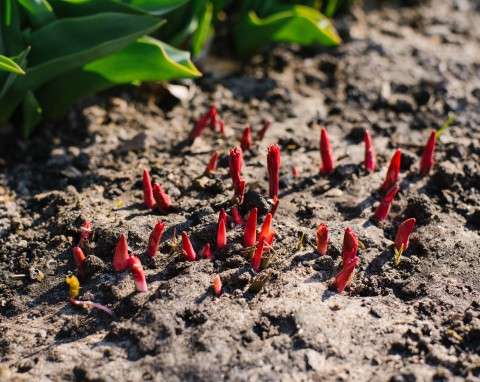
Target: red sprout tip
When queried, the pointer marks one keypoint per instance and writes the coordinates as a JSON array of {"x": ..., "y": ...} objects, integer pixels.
[
  {"x": 222, "y": 235},
  {"x": 403, "y": 234},
  {"x": 321, "y": 237},
  {"x": 250, "y": 230},
  {"x": 187, "y": 247},
  {"x": 120, "y": 258},
  {"x": 206, "y": 252},
  {"x": 217, "y": 286},
  {"x": 237, "y": 219},
  {"x": 369, "y": 153},
  {"x": 154, "y": 239},
  {"x": 79, "y": 258},
  {"x": 246, "y": 143},
  {"x": 273, "y": 164},
  {"x": 345, "y": 276},
  {"x": 326, "y": 152},
  {"x": 383, "y": 208},
  {"x": 212, "y": 164},
  {"x": 392, "y": 172},
  {"x": 164, "y": 203},
  {"x": 148, "y": 190},
  {"x": 263, "y": 131},
  {"x": 428, "y": 155},
  {"x": 138, "y": 273},
  {"x": 350, "y": 246}
]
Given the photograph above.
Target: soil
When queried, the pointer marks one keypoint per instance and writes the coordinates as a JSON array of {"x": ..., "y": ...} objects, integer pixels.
[{"x": 401, "y": 70}]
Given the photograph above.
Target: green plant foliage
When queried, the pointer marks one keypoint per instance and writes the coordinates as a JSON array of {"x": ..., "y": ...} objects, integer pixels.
[
  {"x": 9, "y": 65},
  {"x": 56, "y": 52},
  {"x": 300, "y": 24},
  {"x": 141, "y": 61}
]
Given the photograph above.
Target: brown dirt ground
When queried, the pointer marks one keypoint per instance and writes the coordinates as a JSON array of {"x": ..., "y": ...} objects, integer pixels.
[{"x": 399, "y": 73}]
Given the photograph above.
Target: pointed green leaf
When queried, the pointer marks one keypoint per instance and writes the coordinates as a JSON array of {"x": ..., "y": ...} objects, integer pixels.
[
  {"x": 31, "y": 113},
  {"x": 21, "y": 61},
  {"x": 67, "y": 44},
  {"x": 445, "y": 125},
  {"x": 38, "y": 11},
  {"x": 10, "y": 66},
  {"x": 156, "y": 7},
  {"x": 81, "y": 8},
  {"x": 300, "y": 24},
  {"x": 204, "y": 29},
  {"x": 145, "y": 60}
]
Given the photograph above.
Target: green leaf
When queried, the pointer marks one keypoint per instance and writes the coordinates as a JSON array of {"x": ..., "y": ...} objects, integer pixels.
[
  {"x": 68, "y": 44},
  {"x": 39, "y": 12},
  {"x": 81, "y": 8},
  {"x": 204, "y": 29},
  {"x": 10, "y": 32},
  {"x": 10, "y": 66},
  {"x": 300, "y": 24},
  {"x": 445, "y": 125},
  {"x": 21, "y": 60},
  {"x": 32, "y": 114},
  {"x": 156, "y": 7},
  {"x": 147, "y": 59}
]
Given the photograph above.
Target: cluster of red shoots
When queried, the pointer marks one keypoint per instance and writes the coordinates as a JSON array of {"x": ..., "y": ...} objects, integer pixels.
[{"x": 154, "y": 196}]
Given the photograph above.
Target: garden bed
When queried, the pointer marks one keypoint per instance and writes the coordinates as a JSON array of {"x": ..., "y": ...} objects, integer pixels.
[{"x": 399, "y": 73}]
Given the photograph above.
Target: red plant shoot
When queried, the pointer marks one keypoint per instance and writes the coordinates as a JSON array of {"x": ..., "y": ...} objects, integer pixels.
[
  {"x": 257, "y": 257},
  {"x": 250, "y": 231},
  {"x": 274, "y": 207},
  {"x": 246, "y": 143},
  {"x": 384, "y": 207},
  {"x": 237, "y": 219},
  {"x": 235, "y": 164},
  {"x": 212, "y": 164},
  {"x": 217, "y": 286},
  {"x": 222, "y": 127},
  {"x": 263, "y": 131},
  {"x": 120, "y": 259},
  {"x": 222, "y": 215},
  {"x": 295, "y": 171},
  {"x": 269, "y": 240},
  {"x": 321, "y": 237},
  {"x": 222, "y": 235},
  {"x": 266, "y": 226},
  {"x": 206, "y": 252},
  {"x": 138, "y": 274},
  {"x": 85, "y": 236},
  {"x": 344, "y": 277},
  {"x": 148, "y": 191},
  {"x": 79, "y": 259},
  {"x": 428, "y": 155},
  {"x": 202, "y": 122},
  {"x": 187, "y": 247},
  {"x": 350, "y": 246},
  {"x": 325, "y": 152},
  {"x": 164, "y": 203},
  {"x": 403, "y": 234},
  {"x": 154, "y": 239},
  {"x": 273, "y": 164},
  {"x": 392, "y": 172},
  {"x": 369, "y": 153}
]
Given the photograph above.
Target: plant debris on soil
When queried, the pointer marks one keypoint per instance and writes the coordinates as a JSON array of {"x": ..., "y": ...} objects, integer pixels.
[{"x": 399, "y": 73}]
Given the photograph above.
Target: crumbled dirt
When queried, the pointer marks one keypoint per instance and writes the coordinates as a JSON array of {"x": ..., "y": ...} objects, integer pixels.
[{"x": 399, "y": 73}]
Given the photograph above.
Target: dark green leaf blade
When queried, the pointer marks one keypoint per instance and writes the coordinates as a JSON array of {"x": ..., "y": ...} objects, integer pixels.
[
  {"x": 156, "y": 7},
  {"x": 158, "y": 62},
  {"x": 300, "y": 24},
  {"x": 39, "y": 12},
  {"x": 67, "y": 44},
  {"x": 31, "y": 113},
  {"x": 9, "y": 65}
]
